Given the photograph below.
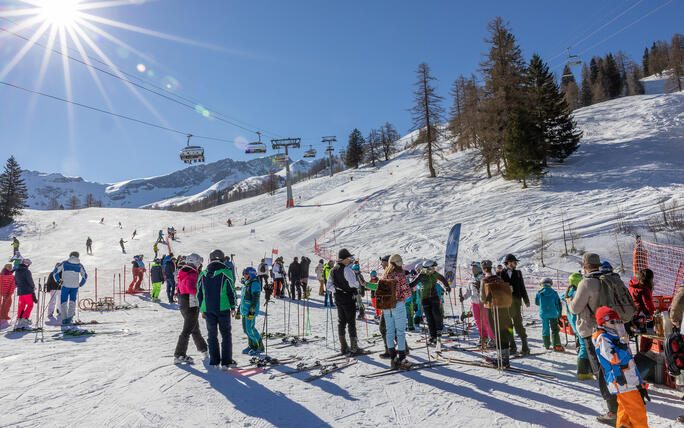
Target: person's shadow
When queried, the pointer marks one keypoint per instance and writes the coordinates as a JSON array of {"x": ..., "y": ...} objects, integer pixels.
[{"x": 249, "y": 397}]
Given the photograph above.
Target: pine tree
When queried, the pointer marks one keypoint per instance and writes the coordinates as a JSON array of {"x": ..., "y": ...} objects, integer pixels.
[
  {"x": 13, "y": 193},
  {"x": 525, "y": 159},
  {"x": 549, "y": 113},
  {"x": 585, "y": 93},
  {"x": 569, "y": 88},
  {"x": 676, "y": 63},
  {"x": 427, "y": 114},
  {"x": 373, "y": 146},
  {"x": 464, "y": 122},
  {"x": 611, "y": 74},
  {"x": 354, "y": 154},
  {"x": 644, "y": 62},
  {"x": 73, "y": 203},
  {"x": 388, "y": 139}
]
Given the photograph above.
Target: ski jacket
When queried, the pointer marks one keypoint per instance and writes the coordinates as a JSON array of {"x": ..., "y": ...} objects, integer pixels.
[
  {"x": 428, "y": 283},
  {"x": 7, "y": 285},
  {"x": 403, "y": 288},
  {"x": 677, "y": 308},
  {"x": 319, "y": 271},
  {"x": 343, "y": 280},
  {"x": 517, "y": 284},
  {"x": 569, "y": 294},
  {"x": 549, "y": 303},
  {"x": 15, "y": 244},
  {"x": 141, "y": 265},
  {"x": 51, "y": 284},
  {"x": 71, "y": 273},
  {"x": 294, "y": 272},
  {"x": 169, "y": 266},
  {"x": 24, "y": 281},
  {"x": 585, "y": 303},
  {"x": 619, "y": 369},
  {"x": 277, "y": 270},
  {"x": 187, "y": 280},
  {"x": 215, "y": 289},
  {"x": 231, "y": 271},
  {"x": 156, "y": 274},
  {"x": 326, "y": 272},
  {"x": 249, "y": 303},
  {"x": 304, "y": 264},
  {"x": 262, "y": 269},
  {"x": 473, "y": 290},
  {"x": 643, "y": 299}
]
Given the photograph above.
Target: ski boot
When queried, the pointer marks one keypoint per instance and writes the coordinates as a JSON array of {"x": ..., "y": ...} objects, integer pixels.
[
  {"x": 547, "y": 342},
  {"x": 67, "y": 320},
  {"x": 385, "y": 355},
  {"x": 608, "y": 418},
  {"x": 401, "y": 363},
  {"x": 183, "y": 359},
  {"x": 354, "y": 349},
  {"x": 525, "y": 348},
  {"x": 344, "y": 348},
  {"x": 246, "y": 351},
  {"x": 393, "y": 356},
  {"x": 558, "y": 348}
]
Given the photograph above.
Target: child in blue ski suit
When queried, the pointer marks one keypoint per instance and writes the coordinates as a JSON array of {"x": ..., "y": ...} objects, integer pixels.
[
  {"x": 249, "y": 308},
  {"x": 549, "y": 311},
  {"x": 583, "y": 366}
]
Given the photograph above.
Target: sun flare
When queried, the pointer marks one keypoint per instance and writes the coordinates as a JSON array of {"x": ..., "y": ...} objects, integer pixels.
[{"x": 62, "y": 13}]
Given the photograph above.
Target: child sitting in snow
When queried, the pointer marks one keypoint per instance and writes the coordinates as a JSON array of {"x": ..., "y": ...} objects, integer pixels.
[
  {"x": 549, "y": 311},
  {"x": 622, "y": 376}
]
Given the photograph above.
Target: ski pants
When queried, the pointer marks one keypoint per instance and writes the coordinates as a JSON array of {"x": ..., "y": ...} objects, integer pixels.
[
  {"x": 360, "y": 307},
  {"x": 278, "y": 287},
  {"x": 552, "y": 325},
  {"x": 53, "y": 301},
  {"x": 410, "y": 313},
  {"x": 89, "y": 249},
  {"x": 219, "y": 321},
  {"x": 5, "y": 305},
  {"x": 156, "y": 289},
  {"x": 253, "y": 337},
  {"x": 395, "y": 323},
  {"x": 433, "y": 315},
  {"x": 572, "y": 319},
  {"x": 296, "y": 289},
  {"x": 321, "y": 288},
  {"x": 67, "y": 308},
  {"x": 346, "y": 318},
  {"x": 502, "y": 329},
  {"x": 170, "y": 287},
  {"x": 480, "y": 315},
  {"x": 137, "y": 280},
  {"x": 631, "y": 410},
  {"x": 597, "y": 369},
  {"x": 25, "y": 306},
  {"x": 190, "y": 327},
  {"x": 516, "y": 319}
]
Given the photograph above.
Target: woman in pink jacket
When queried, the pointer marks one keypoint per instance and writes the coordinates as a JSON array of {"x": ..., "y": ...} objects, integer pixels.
[
  {"x": 7, "y": 287},
  {"x": 189, "y": 308}
]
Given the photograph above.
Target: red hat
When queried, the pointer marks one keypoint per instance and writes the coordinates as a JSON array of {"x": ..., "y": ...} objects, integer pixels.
[{"x": 604, "y": 313}]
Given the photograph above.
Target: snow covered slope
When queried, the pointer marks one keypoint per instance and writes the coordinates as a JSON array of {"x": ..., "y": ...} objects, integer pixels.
[
  {"x": 631, "y": 156},
  {"x": 657, "y": 84}
]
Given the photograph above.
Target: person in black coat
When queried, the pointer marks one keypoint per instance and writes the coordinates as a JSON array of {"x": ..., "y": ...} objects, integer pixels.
[
  {"x": 514, "y": 277},
  {"x": 169, "y": 267},
  {"x": 54, "y": 288},
  {"x": 294, "y": 275},
  {"x": 304, "y": 265}
]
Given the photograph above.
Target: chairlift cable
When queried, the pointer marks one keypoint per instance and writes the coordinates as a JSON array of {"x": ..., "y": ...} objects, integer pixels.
[{"x": 132, "y": 119}]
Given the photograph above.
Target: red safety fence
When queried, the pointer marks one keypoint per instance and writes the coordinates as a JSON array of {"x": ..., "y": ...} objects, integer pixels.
[{"x": 666, "y": 262}]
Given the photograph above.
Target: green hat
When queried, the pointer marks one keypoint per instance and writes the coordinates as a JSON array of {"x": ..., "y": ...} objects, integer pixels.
[{"x": 575, "y": 279}]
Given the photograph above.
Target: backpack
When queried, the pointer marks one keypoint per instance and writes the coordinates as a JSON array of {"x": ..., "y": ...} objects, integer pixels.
[
  {"x": 386, "y": 294},
  {"x": 614, "y": 294},
  {"x": 498, "y": 293},
  {"x": 674, "y": 353}
]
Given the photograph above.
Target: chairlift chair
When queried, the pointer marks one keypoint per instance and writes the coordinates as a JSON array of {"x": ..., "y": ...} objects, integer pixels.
[
  {"x": 329, "y": 150},
  {"x": 311, "y": 153},
  {"x": 191, "y": 154},
  {"x": 256, "y": 147}
]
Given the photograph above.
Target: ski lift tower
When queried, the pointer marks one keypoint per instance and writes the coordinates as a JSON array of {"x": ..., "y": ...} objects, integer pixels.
[
  {"x": 329, "y": 150},
  {"x": 287, "y": 143}
]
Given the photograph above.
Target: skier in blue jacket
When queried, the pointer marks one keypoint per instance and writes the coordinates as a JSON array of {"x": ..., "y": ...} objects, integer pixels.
[
  {"x": 549, "y": 311},
  {"x": 249, "y": 309}
]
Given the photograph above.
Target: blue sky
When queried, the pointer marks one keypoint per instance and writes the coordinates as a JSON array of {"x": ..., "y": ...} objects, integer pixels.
[{"x": 292, "y": 68}]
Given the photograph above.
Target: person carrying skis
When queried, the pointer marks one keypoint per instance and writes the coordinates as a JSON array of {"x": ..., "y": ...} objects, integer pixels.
[
  {"x": 54, "y": 288},
  {"x": 319, "y": 276},
  {"x": 156, "y": 277},
  {"x": 278, "y": 272},
  {"x": 304, "y": 265},
  {"x": 343, "y": 281},
  {"x": 584, "y": 303},
  {"x": 121, "y": 243},
  {"x": 395, "y": 319},
  {"x": 169, "y": 268},
  {"x": 514, "y": 277},
  {"x": 262, "y": 273},
  {"x": 549, "y": 311},
  {"x": 7, "y": 287},
  {"x": 216, "y": 297},
  {"x": 26, "y": 292},
  {"x": 189, "y": 309},
  {"x": 496, "y": 296},
  {"x": 477, "y": 306},
  {"x": 72, "y": 276},
  {"x": 89, "y": 246},
  {"x": 15, "y": 246},
  {"x": 429, "y": 298},
  {"x": 620, "y": 373},
  {"x": 155, "y": 248},
  {"x": 249, "y": 309},
  {"x": 294, "y": 275}
]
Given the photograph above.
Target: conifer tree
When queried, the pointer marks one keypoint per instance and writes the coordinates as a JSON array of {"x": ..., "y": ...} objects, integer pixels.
[
  {"x": 427, "y": 114},
  {"x": 611, "y": 74},
  {"x": 644, "y": 62},
  {"x": 354, "y": 154},
  {"x": 373, "y": 146},
  {"x": 585, "y": 93},
  {"x": 388, "y": 139},
  {"x": 676, "y": 63},
  {"x": 570, "y": 89},
  {"x": 525, "y": 157},
  {"x": 13, "y": 193}
]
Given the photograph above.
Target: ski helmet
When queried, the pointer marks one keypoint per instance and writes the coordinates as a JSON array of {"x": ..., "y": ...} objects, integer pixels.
[
  {"x": 356, "y": 267},
  {"x": 373, "y": 274},
  {"x": 194, "y": 260},
  {"x": 250, "y": 271},
  {"x": 429, "y": 264},
  {"x": 217, "y": 255},
  {"x": 575, "y": 279},
  {"x": 606, "y": 267},
  {"x": 486, "y": 264},
  {"x": 545, "y": 281},
  {"x": 25, "y": 262}
]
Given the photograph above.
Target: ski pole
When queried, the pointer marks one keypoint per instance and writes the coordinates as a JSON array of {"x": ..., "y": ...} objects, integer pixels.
[
  {"x": 298, "y": 319},
  {"x": 427, "y": 346}
]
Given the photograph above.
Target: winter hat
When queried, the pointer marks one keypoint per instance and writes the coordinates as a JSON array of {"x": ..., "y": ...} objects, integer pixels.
[
  {"x": 26, "y": 262},
  {"x": 575, "y": 279},
  {"x": 343, "y": 254},
  {"x": 546, "y": 281},
  {"x": 384, "y": 258},
  {"x": 396, "y": 260},
  {"x": 486, "y": 264},
  {"x": 591, "y": 259},
  {"x": 606, "y": 267},
  {"x": 74, "y": 254},
  {"x": 499, "y": 268},
  {"x": 604, "y": 313}
]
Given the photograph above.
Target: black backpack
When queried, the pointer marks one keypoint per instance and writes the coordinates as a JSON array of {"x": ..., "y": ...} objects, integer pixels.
[{"x": 674, "y": 353}]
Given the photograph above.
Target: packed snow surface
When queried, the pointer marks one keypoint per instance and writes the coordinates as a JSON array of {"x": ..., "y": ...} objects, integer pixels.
[{"x": 631, "y": 157}]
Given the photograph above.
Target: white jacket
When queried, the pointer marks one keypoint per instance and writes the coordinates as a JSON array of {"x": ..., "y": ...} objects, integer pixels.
[
  {"x": 319, "y": 271},
  {"x": 277, "y": 271}
]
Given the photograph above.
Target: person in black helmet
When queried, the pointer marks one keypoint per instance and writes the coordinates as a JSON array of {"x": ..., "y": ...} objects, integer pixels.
[{"x": 514, "y": 277}]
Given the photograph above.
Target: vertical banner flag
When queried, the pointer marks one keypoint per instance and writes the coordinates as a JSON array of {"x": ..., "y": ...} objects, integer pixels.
[{"x": 451, "y": 255}]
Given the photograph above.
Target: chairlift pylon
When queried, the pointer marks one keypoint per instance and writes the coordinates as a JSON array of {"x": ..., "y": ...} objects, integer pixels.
[
  {"x": 256, "y": 147},
  {"x": 191, "y": 154}
]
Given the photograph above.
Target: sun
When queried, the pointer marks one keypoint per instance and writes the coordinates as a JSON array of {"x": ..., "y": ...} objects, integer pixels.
[{"x": 62, "y": 13}]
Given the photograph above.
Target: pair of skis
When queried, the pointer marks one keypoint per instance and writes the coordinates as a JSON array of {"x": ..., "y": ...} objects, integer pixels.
[
  {"x": 490, "y": 365},
  {"x": 418, "y": 366}
]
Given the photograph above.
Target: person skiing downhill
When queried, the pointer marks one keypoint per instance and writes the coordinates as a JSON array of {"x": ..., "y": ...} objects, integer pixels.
[
  {"x": 429, "y": 297},
  {"x": 73, "y": 276},
  {"x": 249, "y": 308},
  {"x": 216, "y": 299},
  {"x": 514, "y": 277},
  {"x": 189, "y": 309},
  {"x": 160, "y": 237},
  {"x": 121, "y": 243},
  {"x": 135, "y": 232},
  {"x": 26, "y": 292},
  {"x": 89, "y": 246},
  {"x": 15, "y": 246},
  {"x": 550, "y": 310}
]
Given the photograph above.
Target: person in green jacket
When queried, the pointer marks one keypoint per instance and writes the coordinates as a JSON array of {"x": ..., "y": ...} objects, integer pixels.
[
  {"x": 326, "y": 274},
  {"x": 429, "y": 297},
  {"x": 249, "y": 308}
]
